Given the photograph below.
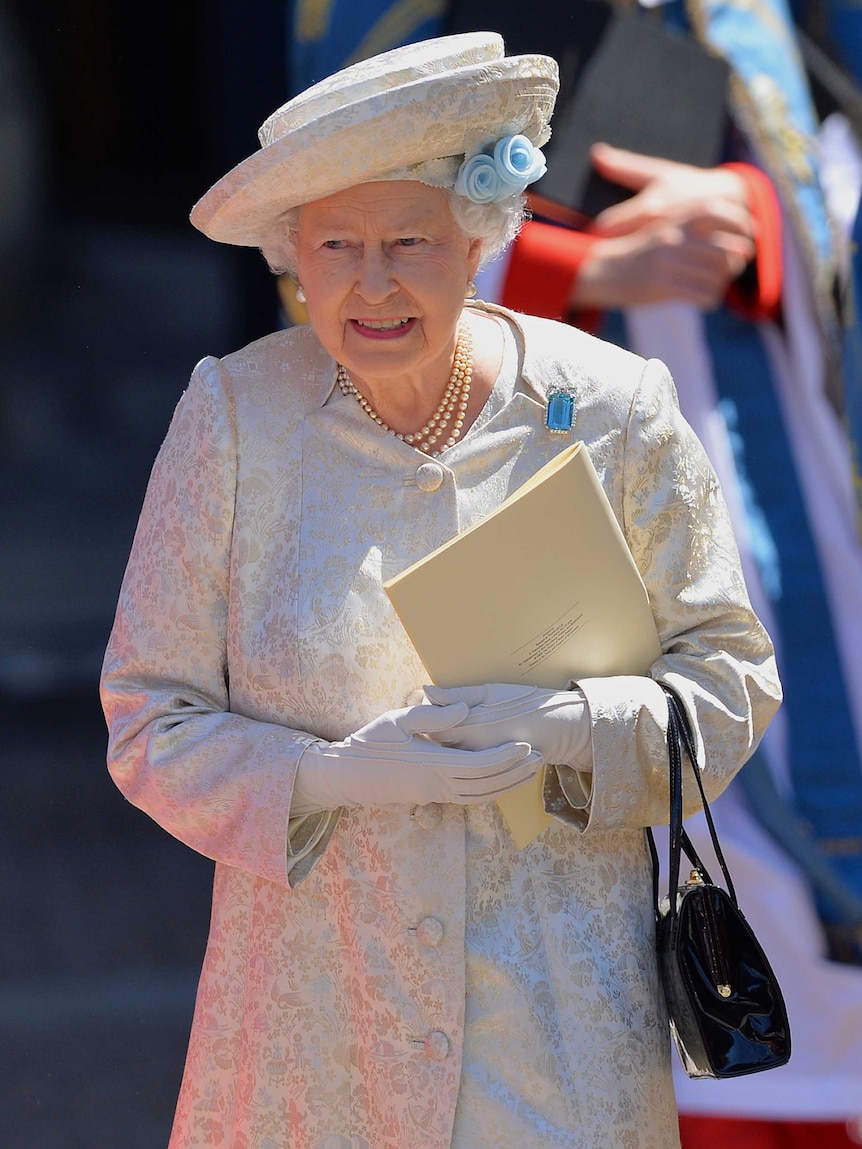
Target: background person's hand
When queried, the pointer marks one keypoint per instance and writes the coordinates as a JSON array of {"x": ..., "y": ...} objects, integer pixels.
[
  {"x": 556, "y": 723},
  {"x": 684, "y": 235},
  {"x": 390, "y": 760},
  {"x": 676, "y": 193}
]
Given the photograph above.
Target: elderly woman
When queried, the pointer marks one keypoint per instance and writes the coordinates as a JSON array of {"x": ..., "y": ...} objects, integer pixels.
[{"x": 385, "y": 969}]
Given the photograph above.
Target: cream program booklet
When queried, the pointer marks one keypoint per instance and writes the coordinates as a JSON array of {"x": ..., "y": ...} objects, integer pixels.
[{"x": 542, "y": 590}]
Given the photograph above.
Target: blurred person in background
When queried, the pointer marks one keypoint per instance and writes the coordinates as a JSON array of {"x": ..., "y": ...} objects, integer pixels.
[
  {"x": 385, "y": 967},
  {"x": 732, "y": 275}
]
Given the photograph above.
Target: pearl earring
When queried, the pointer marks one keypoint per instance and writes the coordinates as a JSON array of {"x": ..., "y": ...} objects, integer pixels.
[
  {"x": 471, "y": 289},
  {"x": 300, "y": 294}
]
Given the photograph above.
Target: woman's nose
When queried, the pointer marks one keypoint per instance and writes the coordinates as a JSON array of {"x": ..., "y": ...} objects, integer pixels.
[{"x": 375, "y": 281}]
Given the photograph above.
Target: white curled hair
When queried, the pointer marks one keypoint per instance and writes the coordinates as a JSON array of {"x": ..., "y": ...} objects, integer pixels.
[{"x": 495, "y": 224}]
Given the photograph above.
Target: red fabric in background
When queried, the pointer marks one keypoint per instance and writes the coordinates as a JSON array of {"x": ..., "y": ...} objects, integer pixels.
[
  {"x": 700, "y": 1132},
  {"x": 764, "y": 302},
  {"x": 543, "y": 264}
]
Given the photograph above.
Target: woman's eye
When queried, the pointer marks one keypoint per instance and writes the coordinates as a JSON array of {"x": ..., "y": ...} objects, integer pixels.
[
  {"x": 409, "y": 241},
  {"x": 335, "y": 244}
]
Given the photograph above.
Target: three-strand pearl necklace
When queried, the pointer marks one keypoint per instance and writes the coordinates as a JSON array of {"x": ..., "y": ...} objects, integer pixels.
[{"x": 450, "y": 410}]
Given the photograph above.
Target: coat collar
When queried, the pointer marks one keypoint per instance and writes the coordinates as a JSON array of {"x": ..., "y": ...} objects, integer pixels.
[{"x": 530, "y": 367}]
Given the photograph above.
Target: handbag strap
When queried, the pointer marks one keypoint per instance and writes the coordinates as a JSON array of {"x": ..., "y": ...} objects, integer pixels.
[{"x": 679, "y": 737}]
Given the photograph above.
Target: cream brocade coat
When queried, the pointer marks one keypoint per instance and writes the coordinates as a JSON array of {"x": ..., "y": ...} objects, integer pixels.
[{"x": 403, "y": 978}]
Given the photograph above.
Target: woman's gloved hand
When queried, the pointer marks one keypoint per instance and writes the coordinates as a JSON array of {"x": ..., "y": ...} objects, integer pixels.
[
  {"x": 392, "y": 761},
  {"x": 555, "y": 723}
]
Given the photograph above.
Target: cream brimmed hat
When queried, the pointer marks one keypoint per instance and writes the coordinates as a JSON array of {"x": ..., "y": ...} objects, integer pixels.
[{"x": 413, "y": 113}]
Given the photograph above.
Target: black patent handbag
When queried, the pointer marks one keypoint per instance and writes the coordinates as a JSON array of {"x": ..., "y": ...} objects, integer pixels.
[{"x": 726, "y": 1009}]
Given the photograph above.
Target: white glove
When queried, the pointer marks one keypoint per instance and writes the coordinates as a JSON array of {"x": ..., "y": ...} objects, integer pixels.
[
  {"x": 557, "y": 724},
  {"x": 389, "y": 761}
]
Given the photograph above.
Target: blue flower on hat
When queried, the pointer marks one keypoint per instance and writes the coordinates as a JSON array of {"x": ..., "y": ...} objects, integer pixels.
[
  {"x": 507, "y": 170},
  {"x": 477, "y": 179}
]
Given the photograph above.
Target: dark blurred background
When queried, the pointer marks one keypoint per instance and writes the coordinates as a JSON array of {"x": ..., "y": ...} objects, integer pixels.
[{"x": 114, "y": 118}]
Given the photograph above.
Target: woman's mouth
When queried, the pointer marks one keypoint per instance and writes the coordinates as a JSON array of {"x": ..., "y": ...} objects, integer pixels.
[{"x": 382, "y": 328}]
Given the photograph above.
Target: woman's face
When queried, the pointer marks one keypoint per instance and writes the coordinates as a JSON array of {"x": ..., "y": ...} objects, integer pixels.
[{"x": 385, "y": 268}]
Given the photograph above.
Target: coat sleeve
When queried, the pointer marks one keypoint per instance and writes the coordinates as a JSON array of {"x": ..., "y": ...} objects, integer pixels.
[
  {"x": 756, "y": 294},
  {"x": 543, "y": 267},
  {"x": 218, "y": 781},
  {"x": 716, "y": 653}
]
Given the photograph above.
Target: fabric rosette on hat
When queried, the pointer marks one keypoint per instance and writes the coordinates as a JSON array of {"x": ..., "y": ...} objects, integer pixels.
[
  {"x": 508, "y": 170},
  {"x": 452, "y": 112}
]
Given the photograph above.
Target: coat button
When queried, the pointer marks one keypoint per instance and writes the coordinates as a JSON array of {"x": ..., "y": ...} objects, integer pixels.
[
  {"x": 429, "y": 932},
  {"x": 428, "y": 817},
  {"x": 436, "y": 1045},
  {"x": 429, "y": 477}
]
